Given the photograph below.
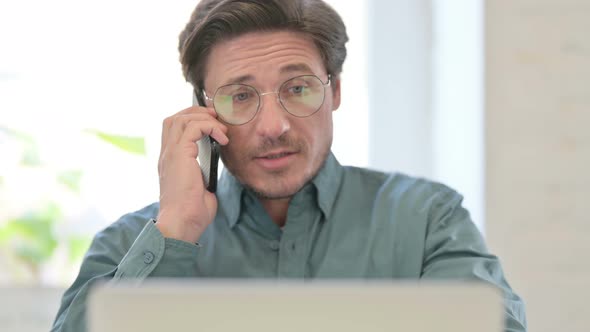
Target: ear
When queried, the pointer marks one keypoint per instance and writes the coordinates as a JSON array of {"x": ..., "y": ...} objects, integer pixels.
[{"x": 335, "y": 86}]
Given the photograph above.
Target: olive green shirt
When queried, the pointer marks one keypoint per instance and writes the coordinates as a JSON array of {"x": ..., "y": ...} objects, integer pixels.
[{"x": 347, "y": 222}]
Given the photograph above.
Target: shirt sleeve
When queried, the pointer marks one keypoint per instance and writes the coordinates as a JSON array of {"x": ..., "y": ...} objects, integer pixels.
[
  {"x": 153, "y": 255},
  {"x": 132, "y": 248},
  {"x": 454, "y": 249}
]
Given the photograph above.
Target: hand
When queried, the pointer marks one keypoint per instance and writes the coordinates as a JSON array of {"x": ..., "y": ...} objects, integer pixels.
[{"x": 186, "y": 207}]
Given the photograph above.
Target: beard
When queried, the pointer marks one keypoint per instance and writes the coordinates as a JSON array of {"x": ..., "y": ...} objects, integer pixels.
[{"x": 279, "y": 184}]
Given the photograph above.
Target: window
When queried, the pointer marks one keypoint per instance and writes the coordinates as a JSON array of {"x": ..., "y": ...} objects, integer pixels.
[{"x": 84, "y": 88}]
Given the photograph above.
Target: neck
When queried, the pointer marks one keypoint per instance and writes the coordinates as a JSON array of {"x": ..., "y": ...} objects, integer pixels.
[{"x": 277, "y": 209}]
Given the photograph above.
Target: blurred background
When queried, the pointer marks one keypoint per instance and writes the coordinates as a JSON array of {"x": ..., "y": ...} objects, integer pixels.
[{"x": 490, "y": 97}]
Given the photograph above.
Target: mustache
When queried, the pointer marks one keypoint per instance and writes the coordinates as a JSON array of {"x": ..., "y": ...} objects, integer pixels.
[{"x": 267, "y": 144}]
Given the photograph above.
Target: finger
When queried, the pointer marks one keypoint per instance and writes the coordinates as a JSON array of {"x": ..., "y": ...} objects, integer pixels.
[
  {"x": 174, "y": 126},
  {"x": 182, "y": 121},
  {"x": 196, "y": 109},
  {"x": 196, "y": 130},
  {"x": 167, "y": 125},
  {"x": 169, "y": 121},
  {"x": 186, "y": 118}
]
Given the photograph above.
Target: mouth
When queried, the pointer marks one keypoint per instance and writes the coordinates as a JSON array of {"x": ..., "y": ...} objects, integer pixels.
[
  {"x": 276, "y": 155},
  {"x": 275, "y": 160}
]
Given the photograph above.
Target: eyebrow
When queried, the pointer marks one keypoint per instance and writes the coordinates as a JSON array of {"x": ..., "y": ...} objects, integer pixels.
[{"x": 295, "y": 67}]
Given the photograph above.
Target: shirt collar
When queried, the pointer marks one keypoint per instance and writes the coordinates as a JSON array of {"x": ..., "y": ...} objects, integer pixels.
[
  {"x": 229, "y": 196},
  {"x": 327, "y": 183}
]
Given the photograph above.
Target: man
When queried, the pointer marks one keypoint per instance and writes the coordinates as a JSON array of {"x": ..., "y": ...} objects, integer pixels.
[{"x": 267, "y": 73}]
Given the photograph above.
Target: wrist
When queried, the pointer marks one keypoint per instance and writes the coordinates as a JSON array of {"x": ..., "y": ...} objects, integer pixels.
[{"x": 173, "y": 229}]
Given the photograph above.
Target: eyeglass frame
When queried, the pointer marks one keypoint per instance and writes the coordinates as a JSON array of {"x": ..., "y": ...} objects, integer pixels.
[{"x": 260, "y": 95}]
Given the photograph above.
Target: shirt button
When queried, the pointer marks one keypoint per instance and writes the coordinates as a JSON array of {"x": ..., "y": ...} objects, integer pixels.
[
  {"x": 148, "y": 257},
  {"x": 274, "y": 245}
]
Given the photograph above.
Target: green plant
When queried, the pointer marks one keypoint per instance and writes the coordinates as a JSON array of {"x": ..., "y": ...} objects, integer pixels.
[{"x": 33, "y": 238}]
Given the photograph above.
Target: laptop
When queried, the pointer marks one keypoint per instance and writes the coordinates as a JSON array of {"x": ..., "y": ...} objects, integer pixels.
[{"x": 230, "y": 305}]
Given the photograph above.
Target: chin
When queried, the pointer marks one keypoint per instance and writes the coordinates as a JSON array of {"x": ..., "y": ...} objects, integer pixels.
[{"x": 274, "y": 185}]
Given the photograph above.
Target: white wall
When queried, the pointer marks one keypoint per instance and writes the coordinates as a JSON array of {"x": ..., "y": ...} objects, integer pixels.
[
  {"x": 400, "y": 86},
  {"x": 425, "y": 93},
  {"x": 351, "y": 121},
  {"x": 457, "y": 108},
  {"x": 538, "y": 155}
]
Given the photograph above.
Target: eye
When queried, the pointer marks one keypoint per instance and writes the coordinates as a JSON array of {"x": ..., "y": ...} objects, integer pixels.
[
  {"x": 298, "y": 89},
  {"x": 241, "y": 96}
]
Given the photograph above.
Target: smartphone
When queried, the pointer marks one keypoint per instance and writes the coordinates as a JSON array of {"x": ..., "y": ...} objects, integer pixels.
[{"x": 208, "y": 156}]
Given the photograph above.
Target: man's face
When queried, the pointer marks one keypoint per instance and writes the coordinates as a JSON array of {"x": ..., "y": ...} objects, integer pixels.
[{"x": 276, "y": 153}]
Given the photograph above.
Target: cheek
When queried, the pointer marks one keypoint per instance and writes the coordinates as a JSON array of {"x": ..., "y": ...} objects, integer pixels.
[
  {"x": 323, "y": 128},
  {"x": 326, "y": 131},
  {"x": 237, "y": 136},
  {"x": 236, "y": 144}
]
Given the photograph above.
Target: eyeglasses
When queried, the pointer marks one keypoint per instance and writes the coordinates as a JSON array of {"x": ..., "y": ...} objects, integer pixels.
[{"x": 300, "y": 96}]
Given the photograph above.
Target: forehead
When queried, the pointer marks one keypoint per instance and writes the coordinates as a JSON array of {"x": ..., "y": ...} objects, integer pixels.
[{"x": 262, "y": 56}]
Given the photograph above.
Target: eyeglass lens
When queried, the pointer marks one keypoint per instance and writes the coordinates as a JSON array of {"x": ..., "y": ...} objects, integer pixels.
[{"x": 238, "y": 103}]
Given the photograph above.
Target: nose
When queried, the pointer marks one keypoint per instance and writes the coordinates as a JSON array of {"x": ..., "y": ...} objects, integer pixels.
[{"x": 272, "y": 120}]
